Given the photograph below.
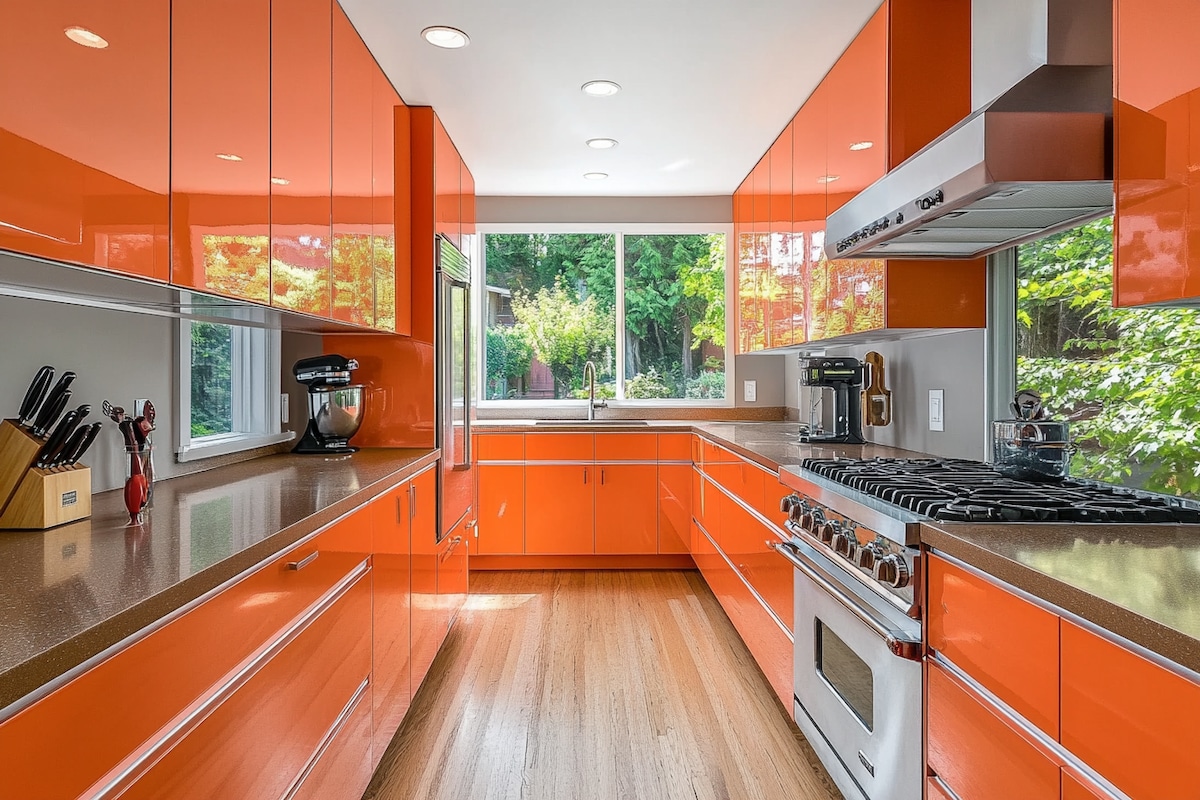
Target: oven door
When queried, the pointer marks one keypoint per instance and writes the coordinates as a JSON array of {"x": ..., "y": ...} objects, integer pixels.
[{"x": 857, "y": 680}]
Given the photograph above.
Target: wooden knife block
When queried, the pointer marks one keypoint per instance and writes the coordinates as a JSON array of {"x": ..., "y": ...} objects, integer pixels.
[{"x": 36, "y": 499}]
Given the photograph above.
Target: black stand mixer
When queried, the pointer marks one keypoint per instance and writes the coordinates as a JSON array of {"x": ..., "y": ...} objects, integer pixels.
[
  {"x": 335, "y": 406},
  {"x": 841, "y": 378}
]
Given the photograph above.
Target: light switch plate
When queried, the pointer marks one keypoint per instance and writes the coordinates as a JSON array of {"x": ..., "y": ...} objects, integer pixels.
[
  {"x": 285, "y": 408},
  {"x": 750, "y": 391},
  {"x": 937, "y": 410}
]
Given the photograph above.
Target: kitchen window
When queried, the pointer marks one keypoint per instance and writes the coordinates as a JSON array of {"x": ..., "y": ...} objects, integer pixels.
[
  {"x": 229, "y": 384},
  {"x": 647, "y": 307},
  {"x": 1126, "y": 378}
]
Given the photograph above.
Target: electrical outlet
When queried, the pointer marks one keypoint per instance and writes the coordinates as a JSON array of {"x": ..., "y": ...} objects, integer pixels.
[
  {"x": 285, "y": 409},
  {"x": 750, "y": 391},
  {"x": 937, "y": 410}
]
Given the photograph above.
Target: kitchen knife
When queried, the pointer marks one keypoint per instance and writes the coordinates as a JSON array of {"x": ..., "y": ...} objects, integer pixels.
[
  {"x": 89, "y": 436},
  {"x": 55, "y": 443},
  {"x": 35, "y": 395},
  {"x": 53, "y": 406},
  {"x": 70, "y": 446}
]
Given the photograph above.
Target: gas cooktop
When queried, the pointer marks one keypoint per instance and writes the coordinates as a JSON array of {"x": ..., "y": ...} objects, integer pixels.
[{"x": 956, "y": 490}]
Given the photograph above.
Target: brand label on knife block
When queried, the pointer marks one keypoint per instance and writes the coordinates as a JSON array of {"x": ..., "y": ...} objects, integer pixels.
[{"x": 69, "y": 498}]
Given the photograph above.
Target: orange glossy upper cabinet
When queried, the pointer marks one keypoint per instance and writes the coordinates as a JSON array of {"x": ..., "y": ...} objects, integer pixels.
[
  {"x": 446, "y": 179},
  {"x": 808, "y": 216},
  {"x": 1157, "y": 120},
  {"x": 391, "y": 219},
  {"x": 420, "y": 172},
  {"x": 221, "y": 147},
  {"x": 752, "y": 253},
  {"x": 467, "y": 209},
  {"x": 301, "y": 156},
  {"x": 85, "y": 133},
  {"x": 778, "y": 281},
  {"x": 352, "y": 258}
]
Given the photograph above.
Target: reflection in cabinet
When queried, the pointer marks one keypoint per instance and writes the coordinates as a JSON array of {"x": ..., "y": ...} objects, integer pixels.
[
  {"x": 674, "y": 507},
  {"x": 559, "y": 504},
  {"x": 452, "y": 573},
  {"x": 501, "y": 509},
  {"x": 390, "y": 210}
]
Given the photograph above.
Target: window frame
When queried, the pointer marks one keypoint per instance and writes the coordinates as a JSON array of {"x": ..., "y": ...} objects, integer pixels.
[
  {"x": 257, "y": 405},
  {"x": 619, "y": 232}
]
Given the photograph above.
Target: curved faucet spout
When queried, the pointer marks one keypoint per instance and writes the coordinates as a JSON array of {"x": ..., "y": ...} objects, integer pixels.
[{"x": 589, "y": 375}]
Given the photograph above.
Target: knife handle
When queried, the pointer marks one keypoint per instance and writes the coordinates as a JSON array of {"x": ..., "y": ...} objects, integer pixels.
[
  {"x": 51, "y": 448},
  {"x": 89, "y": 436},
  {"x": 71, "y": 445},
  {"x": 54, "y": 406},
  {"x": 35, "y": 395}
]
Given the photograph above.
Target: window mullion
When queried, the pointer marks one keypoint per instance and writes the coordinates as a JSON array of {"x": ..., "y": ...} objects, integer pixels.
[{"x": 619, "y": 266}]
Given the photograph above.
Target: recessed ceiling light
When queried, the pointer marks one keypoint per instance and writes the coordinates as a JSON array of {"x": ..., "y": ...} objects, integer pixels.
[
  {"x": 595, "y": 176},
  {"x": 602, "y": 144},
  {"x": 600, "y": 88},
  {"x": 449, "y": 38},
  {"x": 280, "y": 181},
  {"x": 229, "y": 157},
  {"x": 85, "y": 37},
  {"x": 828, "y": 178},
  {"x": 862, "y": 145}
]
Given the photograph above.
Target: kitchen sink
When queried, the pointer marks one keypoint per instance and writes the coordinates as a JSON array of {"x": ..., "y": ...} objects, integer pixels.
[{"x": 590, "y": 423}]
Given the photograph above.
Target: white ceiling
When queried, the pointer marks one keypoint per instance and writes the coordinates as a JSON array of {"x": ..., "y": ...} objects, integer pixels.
[{"x": 707, "y": 84}]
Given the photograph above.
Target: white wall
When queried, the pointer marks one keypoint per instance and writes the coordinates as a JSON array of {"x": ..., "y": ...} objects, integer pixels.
[{"x": 604, "y": 210}]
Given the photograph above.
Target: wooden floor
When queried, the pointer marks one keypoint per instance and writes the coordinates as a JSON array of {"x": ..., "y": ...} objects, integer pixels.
[{"x": 598, "y": 686}]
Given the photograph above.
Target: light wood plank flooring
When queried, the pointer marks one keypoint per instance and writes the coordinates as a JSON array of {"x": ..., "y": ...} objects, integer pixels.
[{"x": 598, "y": 686}]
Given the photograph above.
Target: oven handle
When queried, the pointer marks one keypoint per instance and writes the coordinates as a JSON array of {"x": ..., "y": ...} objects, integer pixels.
[{"x": 899, "y": 643}]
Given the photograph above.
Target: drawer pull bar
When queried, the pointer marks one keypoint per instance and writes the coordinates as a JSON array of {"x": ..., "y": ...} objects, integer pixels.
[{"x": 296, "y": 566}]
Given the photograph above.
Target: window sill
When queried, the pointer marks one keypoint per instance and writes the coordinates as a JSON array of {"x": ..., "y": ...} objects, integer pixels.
[{"x": 232, "y": 443}]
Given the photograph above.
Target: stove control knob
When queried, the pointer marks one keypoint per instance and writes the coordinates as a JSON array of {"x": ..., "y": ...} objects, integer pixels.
[
  {"x": 845, "y": 544},
  {"x": 828, "y": 531},
  {"x": 788, "y": 503},
  {"x": 891, "y": 571},
  {"x": 811, "y": 519},
  {"x": 797, "y": 510},
  {"x": 867, "y": 556}
]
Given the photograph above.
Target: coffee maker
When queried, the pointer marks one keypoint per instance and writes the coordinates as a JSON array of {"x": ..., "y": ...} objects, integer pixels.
[
  {"x": 839, "y": 381},
  {"x": 334, "y": 404}
]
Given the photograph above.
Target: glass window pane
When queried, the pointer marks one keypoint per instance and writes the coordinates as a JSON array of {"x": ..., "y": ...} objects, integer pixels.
[
  {"x": 212, "y": 379},
  {"x": 675, "y": 316},
  {"x": 848, "y": 674},
  {"x": 549, "y": 307}
]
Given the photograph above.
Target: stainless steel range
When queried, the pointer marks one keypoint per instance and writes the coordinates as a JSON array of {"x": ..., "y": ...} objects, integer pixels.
[{"x": 858, "y": 589}]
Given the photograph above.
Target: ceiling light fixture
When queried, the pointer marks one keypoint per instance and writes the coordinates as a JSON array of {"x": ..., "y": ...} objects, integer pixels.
[
  {"x": 828, "y": 178},
  {"x": 595, "y": 176},
  {"x": 446, "y": 37},
  {"x": 600, "y": 88},
  {"x": 862, "y": 145},
  {"x": 85, "y": 37},
  {"x": 602, "y": 144},
  {"x": 280, "y": 181},
  {"x": 229, "y": 157}
]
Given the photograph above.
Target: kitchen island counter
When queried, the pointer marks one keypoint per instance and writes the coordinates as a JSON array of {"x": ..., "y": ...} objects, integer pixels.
[{"x": 71, "y": 592}]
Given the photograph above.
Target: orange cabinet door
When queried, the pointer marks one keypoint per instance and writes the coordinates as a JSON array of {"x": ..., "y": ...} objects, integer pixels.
[
  {"x": 809, "y": 171},
  {"x": 1075, "y": 788},
  {"x": 780, "y": 254},
  {"x": 934, "y": 790},
  {"x": 500, "y": 447},
  {"x": 675, "y": 447},
  {"x": 1129, "y": 719},
  {"x": 559, "y": 447},
  {"x": 978, "y": 752},
  {"x": 301, "y": 93},
  {"x": 427, "y": 631},
  {"x": 559, "y": 506},
  {"x": 626, "y": 447},
  {"x": 1007, "y": 644},
  {"x": 467, "y": 209},
  {"x": 452, "y": 572},
  {"x": 390, "y": 518},
  {"x": 85, "y": 133},
  {"x": 446, "y": 184},
  {"x": 744, "y": 540},
  {"x": 345, "y": 766},
  {"x": 221, "y": 147},
  {"x": 351, "y": 257},
  {"x": 501, "y": 509},
  {"x": 674, "y": 507},
  {"x": 389, "y": 212},
  {"x": 626, "y": 509}
]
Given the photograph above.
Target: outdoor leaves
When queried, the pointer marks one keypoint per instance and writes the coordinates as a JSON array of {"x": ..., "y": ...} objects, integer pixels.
[{"x": 565, "y": 333}]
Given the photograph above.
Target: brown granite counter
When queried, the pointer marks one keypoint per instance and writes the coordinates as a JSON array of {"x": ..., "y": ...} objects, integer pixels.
[
  {"x": 68, "y": 593},
  {"x": 1141, "y": 582}
]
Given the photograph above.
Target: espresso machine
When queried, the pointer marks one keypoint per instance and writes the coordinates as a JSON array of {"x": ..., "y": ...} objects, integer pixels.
[
  {"x": 834, "y": 389},
  {"x": 335, "y": 406}
]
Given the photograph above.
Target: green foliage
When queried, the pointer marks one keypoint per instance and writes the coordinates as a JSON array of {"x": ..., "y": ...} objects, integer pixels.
[
  {"x": 1131, "y": 376},
  {"x": 565, "y": 333},
  {"x": 212, "y": 381},
  {"x": 508, "y": 358},
  {"x": 706, "y": 386},
  {"x": 648, "y": 385}
]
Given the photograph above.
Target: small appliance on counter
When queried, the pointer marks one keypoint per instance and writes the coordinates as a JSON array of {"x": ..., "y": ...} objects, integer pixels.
[
  {"x": 335, "y": 406},
  {"x": 1031, "y": 447},
  {"x": 838, "y": 381}
]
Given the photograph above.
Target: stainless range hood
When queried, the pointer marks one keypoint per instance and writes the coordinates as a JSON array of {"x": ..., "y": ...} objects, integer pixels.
[{"x": 1035, "y": 156}]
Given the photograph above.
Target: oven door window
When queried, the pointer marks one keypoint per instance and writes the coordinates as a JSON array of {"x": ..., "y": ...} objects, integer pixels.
[{"x": 847, "y": 674}]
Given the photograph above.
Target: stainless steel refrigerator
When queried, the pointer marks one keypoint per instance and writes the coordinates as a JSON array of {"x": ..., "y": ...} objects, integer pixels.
[{"x": 455, "y": 405}]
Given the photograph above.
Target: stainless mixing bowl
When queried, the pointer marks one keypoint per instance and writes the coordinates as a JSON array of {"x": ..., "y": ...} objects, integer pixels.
[{"x": 337, "y": 410}]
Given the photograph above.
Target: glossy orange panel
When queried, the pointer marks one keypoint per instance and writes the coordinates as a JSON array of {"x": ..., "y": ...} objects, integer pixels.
[
  {"x": 392, "y": 219},
  {"x": 63, "y": 743},
  {"x": 345, "y": 768},
  {"x": 1075, "y": 788},
  {"x": 390, "y": 613},
  {"x": 1157, "y": 148},
  {"x": 626, "y": 509},
  {"x": 428, "y": 627},
  {"x": 744, "y": 540},
  {"x": 398, "y": 375},
  {"x": 446, "y": 184},
  {"x": 559, "y": 447},
  {"x": 221, "y": 104},
  {"x": 810, "y": 148},
  {"x": 560, "y": 499},
  {"x": 85, "y": 133},
  {"x": 277, "y": 718},
  {"x": 776, "y": 279},
  {"x": 936, "y": 294},
  {"x": 626, "y": 447},
  {"x": 467, "y": 209},
  {"x": 674, "y": 507},
  {"x": 748, "y": 482},
  {"x": 301, "y": 86},
  {"x": 1128, "y": 718},
  {"x": 423, "y": 221},
  {"x": 978, "y": 754},
  {"x": 499, "y": 447},
  {"x": 933, "y": 791},
  {"x": 675, "y": 446},
  {"x": 701, "y": 499},
  {"x": 587, "y": 561},
  {"x": 452, "y": 572},
  {"x": 1007, "y": 644},
  {"x": 501, "y": 509},
  {"x": 353, "y": 172},
  {"x": 858, "y": 85}
]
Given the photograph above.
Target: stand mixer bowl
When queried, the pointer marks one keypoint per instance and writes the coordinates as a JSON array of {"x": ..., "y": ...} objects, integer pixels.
[{"x": 336, "y": 410}]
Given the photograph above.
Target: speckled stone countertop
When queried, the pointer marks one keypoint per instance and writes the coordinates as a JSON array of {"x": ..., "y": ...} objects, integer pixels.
[
  {"x": 1141, "y": 582},
  {"x": 68, "y": 593}
]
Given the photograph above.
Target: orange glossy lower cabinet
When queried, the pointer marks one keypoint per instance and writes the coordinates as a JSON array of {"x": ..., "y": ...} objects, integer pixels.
[
  {"x": 744, "y": 539},
  {"x": 626, "y": 505},
  {"x": 977, "y": 751},
  {"x": 390, "y": 517},
  {"x": 674, "y": 506},
  {"x": 1131, "y": 720},
  {"x": 347, "y": 761},
  {"x": 452, "y": 573},
  {"x": 501, "y": 509},
  {"x": 427, "y": 620},
  {"x": 559, "y": 503},
  {"x": 260, "y": 737},
  {"x": 934, "y": 791},
  {"x": 1075, "y": 789}
]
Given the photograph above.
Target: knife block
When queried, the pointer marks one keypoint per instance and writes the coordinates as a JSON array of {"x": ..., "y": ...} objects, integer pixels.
[{"x": 36, "y": 499}]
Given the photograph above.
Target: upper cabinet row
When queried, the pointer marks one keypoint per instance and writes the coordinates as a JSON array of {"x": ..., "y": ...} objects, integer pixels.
[
  {"x": 902, "y": 82},
  {"x": 242, "y": 148}
]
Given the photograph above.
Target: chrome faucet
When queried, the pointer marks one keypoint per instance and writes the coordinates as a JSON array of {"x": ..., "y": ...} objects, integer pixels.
[{"x": 589, "y": 375}]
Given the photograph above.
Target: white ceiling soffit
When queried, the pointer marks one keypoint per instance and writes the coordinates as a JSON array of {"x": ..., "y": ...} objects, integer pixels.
[{"x": 707, "y": 85}]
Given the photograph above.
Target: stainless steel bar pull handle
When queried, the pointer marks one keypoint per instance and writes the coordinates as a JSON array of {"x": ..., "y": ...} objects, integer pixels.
[
  {"x": 296, "y": 566},
  {"x": 585, "y": 474},
  {"x": 412, "y": 500}
]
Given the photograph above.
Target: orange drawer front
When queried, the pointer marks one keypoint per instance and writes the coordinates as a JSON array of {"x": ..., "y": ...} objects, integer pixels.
[
  {"x": 66, "y": 741},
  {"x": 674, "y": 507},
  {"x": 1127, "y": 718},
  {"x": 744, "y": 540},
  {"x": 1007, "y": 644},
  {"x": 976, "y": 752},
  {"x": 675, "y": 447},
  {"x": 934, "y": 791},
  {"x": 626, "y": 447},
  {"x": 1074, "y": 788},
  {"x": 257, "y": 741},
  {"x": 499, "y": 447},
  {"x": 559, "y": 447},
  {"x": 345, "y": 767}
]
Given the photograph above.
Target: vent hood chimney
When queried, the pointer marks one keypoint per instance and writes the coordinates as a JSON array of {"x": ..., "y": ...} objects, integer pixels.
[{"x": 1033, "y": 158}]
